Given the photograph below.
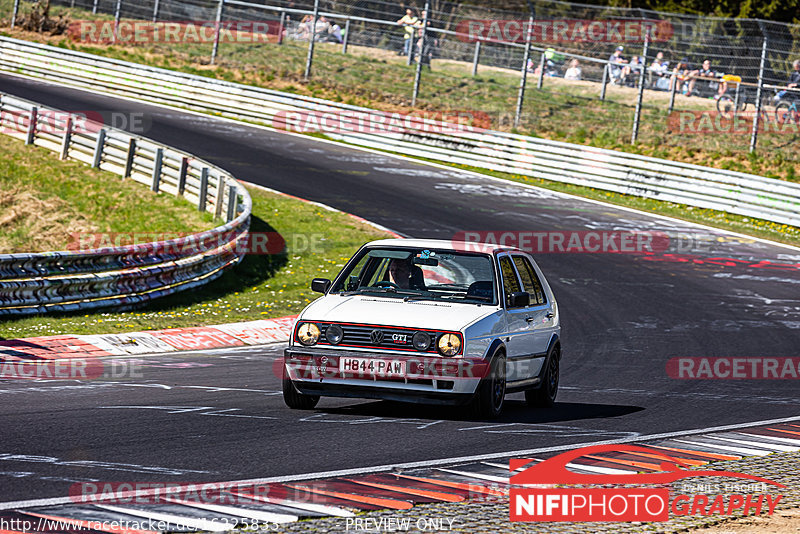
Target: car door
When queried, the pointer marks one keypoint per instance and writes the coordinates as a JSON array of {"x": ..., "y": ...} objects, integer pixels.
[
  {"x": 540, "y": 314},
  {"x": 518, "y": 330}
]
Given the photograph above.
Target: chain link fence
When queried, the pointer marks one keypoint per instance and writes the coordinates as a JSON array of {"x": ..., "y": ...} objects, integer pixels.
[{"x": 710, "y": 83}]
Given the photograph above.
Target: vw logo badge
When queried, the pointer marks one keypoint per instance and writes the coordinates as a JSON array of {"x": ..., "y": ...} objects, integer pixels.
[{"x": 376, "y": 336}]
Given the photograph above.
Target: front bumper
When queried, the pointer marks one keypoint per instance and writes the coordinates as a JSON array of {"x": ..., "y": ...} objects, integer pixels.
[{"x": 427, "y": 379}]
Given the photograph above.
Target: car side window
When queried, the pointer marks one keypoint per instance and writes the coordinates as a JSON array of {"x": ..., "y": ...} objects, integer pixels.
[
  {"x": 510, "y": 282},
  {"x": 530, "y": 282}
]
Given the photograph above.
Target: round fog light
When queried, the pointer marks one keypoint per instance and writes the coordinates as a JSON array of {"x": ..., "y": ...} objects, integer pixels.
[
  {"x": 421, "y": 341},
  {"x": 334, "y": 334},
  {"x": 308, "y": 333},
  {"x": 449, "y": 344}
]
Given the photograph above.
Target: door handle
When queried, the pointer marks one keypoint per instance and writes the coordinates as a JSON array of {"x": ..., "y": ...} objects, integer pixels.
[
  {"x": 550, "y": 315},
  {"x": 529, "y": 319}
]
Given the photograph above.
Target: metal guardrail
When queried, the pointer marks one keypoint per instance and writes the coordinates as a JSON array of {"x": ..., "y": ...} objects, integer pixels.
[
  {"x": 733, "y": 192},
  {"x": 121, "y": 275}
]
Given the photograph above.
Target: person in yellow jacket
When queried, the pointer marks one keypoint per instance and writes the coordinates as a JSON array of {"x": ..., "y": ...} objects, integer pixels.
[{"x": 409, "y": 22}]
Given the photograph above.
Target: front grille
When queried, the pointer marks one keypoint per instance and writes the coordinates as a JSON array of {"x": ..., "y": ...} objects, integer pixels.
[{"x": 392, "y": 338}]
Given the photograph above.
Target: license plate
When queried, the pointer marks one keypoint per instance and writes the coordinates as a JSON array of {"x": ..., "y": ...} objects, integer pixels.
[{"x": 373, "y": 366}]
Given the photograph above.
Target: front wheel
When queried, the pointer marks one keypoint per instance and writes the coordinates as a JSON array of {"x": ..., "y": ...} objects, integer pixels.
[
  {"x": 490, "y": 397},
  {"x": 545, "y": 395},
  {"x": 294, "y": 399}
]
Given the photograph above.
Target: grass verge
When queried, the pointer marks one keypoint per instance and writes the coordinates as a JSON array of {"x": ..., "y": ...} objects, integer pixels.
[
  {"x": 45, "y": 203},
  {"x": 318, "y": 241}
]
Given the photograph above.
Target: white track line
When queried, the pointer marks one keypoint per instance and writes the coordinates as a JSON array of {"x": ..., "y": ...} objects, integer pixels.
[
  {"x": 235, "y": 511},
  {"x": 750, "y": 443},
  {"x": 480, "y": 476},
  {"x": 725, "y": 448},
  {"x": 191, "y": 522},
  {"x": 443, "y": 461},
  {"x": 789, "y": 441}
]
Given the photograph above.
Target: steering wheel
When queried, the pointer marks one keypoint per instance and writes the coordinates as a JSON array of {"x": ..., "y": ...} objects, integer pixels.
[{"x": 386, "y": 283}]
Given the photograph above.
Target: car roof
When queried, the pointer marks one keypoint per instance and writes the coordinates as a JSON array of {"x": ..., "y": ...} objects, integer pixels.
[{"x": 464, "y": 246}]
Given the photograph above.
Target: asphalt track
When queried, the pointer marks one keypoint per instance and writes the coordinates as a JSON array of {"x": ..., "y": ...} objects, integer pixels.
[{"x": 218, "y": 416}]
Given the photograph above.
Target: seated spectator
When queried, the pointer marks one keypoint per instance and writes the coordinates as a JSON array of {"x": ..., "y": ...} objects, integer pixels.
[
  {"x": 303, "y": 31},
  {"x": 793, "y": 83},
  {"x": 321, "y": 29},
  {"x": 635, "y": 68},
  {"x": 706, "y": 74},
  {"x": 681, "y": 73},
  {"x": 618, "y": 66},
  {"x": 656, "y": 71},
  {"x": 335, "y": 33},
  {"x": 573, "y": 72}
]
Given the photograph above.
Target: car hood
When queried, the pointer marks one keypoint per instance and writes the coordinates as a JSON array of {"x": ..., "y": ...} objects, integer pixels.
[{"x": 365, "y": 309}]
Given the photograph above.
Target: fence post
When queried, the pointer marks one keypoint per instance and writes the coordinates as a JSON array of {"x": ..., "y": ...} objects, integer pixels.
[
  {"x": 540, "y": 78},
  {"x": 98, "y": 148},
  {"x": 311, "y": 39},
  {"x": 604, "y": 82},
  {"x": 129, "y": 158},
  {"x": 182, "y": 175},
  {"x": 476, "y": 58},
  {"x": 637, "y": 115},
  {"x": 418, "y": 72},
  {"x": 220, "y": 197},
  {"x": 116, "y": 21},
  {"x": 157, "y": 169},
  {"x": 757, "y": 120},
  {"x": 281, "y": 26},
  {"x": 673, "y": 87},
  {"x": 233, "y": 198},
  {"x": 524, "y": 77},
  {"x": 155, "y": 11},
  {"x": 346, "y": 36},
  {"x": 203, "y": 194},
  {"x": 736, "y": 99},
  {"x": 94, "y": 7},
  {"x": 65, "y": 141},
  {"x": 14, "y": 14},
  {"x": 32, "y": 120},
  {"x": 216, "y": 33}
]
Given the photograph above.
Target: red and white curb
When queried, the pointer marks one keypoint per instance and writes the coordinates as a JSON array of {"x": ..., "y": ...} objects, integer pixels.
[{"x": 258, "y": 332}]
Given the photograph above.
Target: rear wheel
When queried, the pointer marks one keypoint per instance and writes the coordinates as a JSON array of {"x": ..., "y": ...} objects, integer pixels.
[
  {"x": 785, "y": 112},
  {"x": 490, "y": 397},
  {"x": 294, "y": 399},
  {"x": 545, "y": 395}
]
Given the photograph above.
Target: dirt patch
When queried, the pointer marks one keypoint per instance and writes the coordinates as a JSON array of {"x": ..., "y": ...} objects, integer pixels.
[
  {"x": 783, "y": 522},
  {"x": 25, "y": 219}
]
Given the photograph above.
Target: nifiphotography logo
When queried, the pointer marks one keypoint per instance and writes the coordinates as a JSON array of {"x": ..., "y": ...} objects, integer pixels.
[{"x": 535, "y": 497}]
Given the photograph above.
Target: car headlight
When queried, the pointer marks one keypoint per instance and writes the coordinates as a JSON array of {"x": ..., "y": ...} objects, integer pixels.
[
  {"x": 421, "y": 341},
  {"x": 449, "y": 344},
  {"x": 308, "y": 333},
  {"x": 334, "y": 334}
]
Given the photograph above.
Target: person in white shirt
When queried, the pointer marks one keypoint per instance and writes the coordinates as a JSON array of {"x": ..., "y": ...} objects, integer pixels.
[{"x": 573, "y": 72}]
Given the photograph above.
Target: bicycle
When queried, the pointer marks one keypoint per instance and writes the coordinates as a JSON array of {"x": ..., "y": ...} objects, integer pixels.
[{"x": 787, "y": 112}]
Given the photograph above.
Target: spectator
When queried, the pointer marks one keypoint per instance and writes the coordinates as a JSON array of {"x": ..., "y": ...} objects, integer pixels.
[
  {"x": 335, "y": 33},
  {"x": 573, "y": 72},
  {"x": 321, "y": 29},
  {"x": 794, "y": 83},
  {"x": 618, "y": 66},
  {"x": 682, "y": 72},
  {"x": 409, "y": 23},
  {"x": 304, "y": 28},
  {"x": 656, "y": 72},
  {"x": 705, "y": 72},
  {"x": 426, "y": 49},
  {"x": 635, "y": 67}
]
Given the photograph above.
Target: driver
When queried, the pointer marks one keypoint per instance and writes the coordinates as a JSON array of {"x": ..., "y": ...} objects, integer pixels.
[{"x": 406, "y": 275}]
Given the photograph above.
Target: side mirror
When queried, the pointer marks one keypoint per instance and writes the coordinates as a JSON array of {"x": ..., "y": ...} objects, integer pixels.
[
  {"x": 321, "y": 285},
  {"x": 520, "y": 299}
]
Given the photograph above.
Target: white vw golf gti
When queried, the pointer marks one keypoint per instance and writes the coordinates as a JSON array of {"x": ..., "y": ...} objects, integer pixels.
[{"x": 428, "y": 321}]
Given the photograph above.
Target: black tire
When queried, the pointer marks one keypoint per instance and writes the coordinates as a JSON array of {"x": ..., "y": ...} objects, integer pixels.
[
  {"x": 294, "y": 399},
  {"x": 489, "y": 399},
  {"x": 784, "y": 113},
  {"x": 545, "y": 395},
  {"x": 725, "y": 106}
]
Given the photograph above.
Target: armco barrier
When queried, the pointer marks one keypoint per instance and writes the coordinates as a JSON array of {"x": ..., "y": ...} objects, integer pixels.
[
  {"x": 121, "y": 275},
  {"x": 632, "y": 174}
]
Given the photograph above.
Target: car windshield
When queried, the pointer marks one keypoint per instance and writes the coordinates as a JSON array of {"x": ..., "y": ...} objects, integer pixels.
[{"x": 420, "y": 274}]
